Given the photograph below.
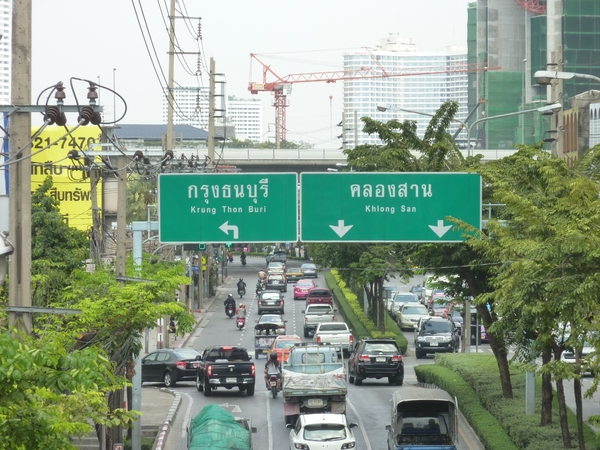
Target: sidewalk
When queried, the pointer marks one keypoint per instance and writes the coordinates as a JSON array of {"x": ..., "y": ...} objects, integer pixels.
[{"x": 160, "y": 405}]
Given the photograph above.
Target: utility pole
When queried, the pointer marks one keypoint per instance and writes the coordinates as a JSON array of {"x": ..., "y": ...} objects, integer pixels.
[
  {"x": 20, "y": 172},
  {"x": 211, "y": 114}
]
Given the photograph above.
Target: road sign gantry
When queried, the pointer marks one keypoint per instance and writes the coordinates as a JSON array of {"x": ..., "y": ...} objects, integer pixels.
[
  {"x": 228, "y": 207},
  {"x": 387, "y": 206}
]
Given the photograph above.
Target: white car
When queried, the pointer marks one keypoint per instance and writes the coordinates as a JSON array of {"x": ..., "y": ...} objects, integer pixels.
[
  {"x": 587, "y": 354},
  {"x": 400, "y": 298},
  {"x": 322, "y": 431},
  {"x": 409, "y": 315}
]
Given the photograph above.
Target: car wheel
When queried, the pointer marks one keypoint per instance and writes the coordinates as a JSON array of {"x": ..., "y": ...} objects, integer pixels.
[
  {"x": 419, "y": 355},
  {"x": 199, "y": 386},
  {"x": 350, "y": 376},
  {"x": 306, "y": 334},
  {"x": 207, "y": 391},
  {"x": 168, "y": 379},
  {"x": 250, "y": 390},
  {"x": 392, "y": 379},
  {"x": 399, "y": 381},
  {"x": 256, "y": 355},
  {"x": 357, "y": 380}
]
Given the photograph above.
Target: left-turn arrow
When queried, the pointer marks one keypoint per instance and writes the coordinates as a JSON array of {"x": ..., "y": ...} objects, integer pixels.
[{"x": 226, "y": 228}]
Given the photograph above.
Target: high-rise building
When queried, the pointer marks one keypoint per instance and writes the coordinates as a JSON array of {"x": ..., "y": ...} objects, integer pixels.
[
  {"x": 423, "y": 93},
  {"x": 522, "y": 37},
  {"x": 191, "y": 108},
  {"x": 5, "y": 55}
]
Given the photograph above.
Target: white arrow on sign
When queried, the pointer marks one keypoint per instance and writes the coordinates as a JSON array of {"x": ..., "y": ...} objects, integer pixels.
[
  {"x": 341, "y": 229},
  {"x": 440, "y": 229},
  {"x": 226, "y": 228}
]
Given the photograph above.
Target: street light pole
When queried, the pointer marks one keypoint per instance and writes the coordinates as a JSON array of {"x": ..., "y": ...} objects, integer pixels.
[{"x": 547, "y": 108}]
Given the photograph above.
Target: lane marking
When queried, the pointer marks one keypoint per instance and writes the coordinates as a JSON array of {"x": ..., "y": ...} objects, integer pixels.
[
  {"x": 360, "y": 424},
  {"x": 186, "y": 417},
  {"x": 269, "y": 422}
]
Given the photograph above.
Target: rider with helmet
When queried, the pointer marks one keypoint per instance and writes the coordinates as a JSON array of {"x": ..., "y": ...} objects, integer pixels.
[
  {"x": 241, "y": 284},
  {"x": 229, "y": 301},
  {"x": 241, "y": 312},
  {"x": 273, "y": 367}
]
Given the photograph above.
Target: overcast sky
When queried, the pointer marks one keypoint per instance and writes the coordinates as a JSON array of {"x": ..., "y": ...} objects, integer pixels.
[{"x": 89, "y": 39}]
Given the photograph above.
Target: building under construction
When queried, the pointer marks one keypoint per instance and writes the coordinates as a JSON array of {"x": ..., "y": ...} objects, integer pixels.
[{"x": 522, "y": 37}]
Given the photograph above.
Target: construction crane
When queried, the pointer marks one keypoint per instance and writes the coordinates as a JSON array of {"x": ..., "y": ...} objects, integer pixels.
[
  {"x": 281, "y": 86},
  {"x": 533, "y": 6}
]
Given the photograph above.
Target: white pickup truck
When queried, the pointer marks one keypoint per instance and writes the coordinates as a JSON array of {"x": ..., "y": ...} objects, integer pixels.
[
  {"x": 315, "y": 315},
  {"x": 336, "y": 334}
]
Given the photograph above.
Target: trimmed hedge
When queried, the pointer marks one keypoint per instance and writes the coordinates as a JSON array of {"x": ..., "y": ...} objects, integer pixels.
[
  {"x": 480, "y": 372},
  {"x": 352, "y": 312}
]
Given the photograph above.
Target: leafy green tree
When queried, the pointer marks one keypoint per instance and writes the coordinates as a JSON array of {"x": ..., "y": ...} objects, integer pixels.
[
  {"x": 56, "y": 249},
  {"x": 142, "y": 192},
  {"x": 546, "y": 288},
  {"x": 48, "y": 394}
]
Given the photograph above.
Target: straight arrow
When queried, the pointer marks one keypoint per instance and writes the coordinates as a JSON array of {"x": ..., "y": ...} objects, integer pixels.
[
  {"x": 440, "y": 229},
  {"x": 340, "y": 229},
  {"x": 226, "y": 228}
]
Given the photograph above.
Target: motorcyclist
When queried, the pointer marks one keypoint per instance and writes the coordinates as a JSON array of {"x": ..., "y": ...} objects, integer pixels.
[
  {"x": 273, "y": 367},
  {"x": 262, "y": 274},
  {"x": 243, "y": 256},
  {"x": 229, "y": 301},
  {"x": 241, "y": 311},
  {"x": 241, "y": 284}
]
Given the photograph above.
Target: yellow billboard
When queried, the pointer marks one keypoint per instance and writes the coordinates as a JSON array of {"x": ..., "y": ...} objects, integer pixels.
[{"x": 71, "y": 184}]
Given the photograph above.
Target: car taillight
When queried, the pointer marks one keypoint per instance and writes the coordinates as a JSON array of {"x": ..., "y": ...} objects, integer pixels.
[
  {"x": 397, "y": 358},
  {"x": 209, "y": 371},
  {"x": 318, "y": 338},
  {"x": 333, "y": 318},
  {"x": 259, "y": 302},
  {"x": 364, "y": 358},
  {"x": 253, "y": 370},
  {"x": 305, "y": 319},
  {"x": 181, "y": 365},
  {"x": 351, "y": 339}
]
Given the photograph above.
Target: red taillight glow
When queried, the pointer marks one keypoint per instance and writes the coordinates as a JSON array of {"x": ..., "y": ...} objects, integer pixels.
[
  {"x": 351, "y": 339},
  {"x": 209, "y": 371},
  {"x": 318, "y": 338},
  {"x": 364, "y": 358},
  {"x": 181, "y": 365},
  {"x": 397, "y": 358},
  {"x": 333, "y": 318},
  {"x": 305, "y": 319},
  {"x": 253, "y": 370}
]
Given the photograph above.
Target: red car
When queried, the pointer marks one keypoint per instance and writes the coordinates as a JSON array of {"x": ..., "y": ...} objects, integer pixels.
[
  {"x": 282, "y": 344},
  {"x": 302, "y": 287}
]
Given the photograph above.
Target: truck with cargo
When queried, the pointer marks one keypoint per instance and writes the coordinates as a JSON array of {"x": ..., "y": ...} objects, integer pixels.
[
  {"x": 423, "y": 419},
  {"x": 314, "y": 381},
  {"x": 337, "y": 334}
]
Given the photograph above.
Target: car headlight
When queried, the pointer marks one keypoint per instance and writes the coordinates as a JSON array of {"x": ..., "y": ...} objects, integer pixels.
[
  {"x": 349, "y": 445},
  {"x": 421, "y": 339},
  {"x": 446, "y": 339}
]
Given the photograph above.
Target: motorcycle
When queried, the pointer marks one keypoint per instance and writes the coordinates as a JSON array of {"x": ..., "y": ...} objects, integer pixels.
[
  {"x": 230, "y": 258},
  {"x": 230, "y": 311},
  {"x": 259, "y": 288},
  {"x": 243, "y": 259},
  {"x": 240, "y": 322},
  {"x": 273, "y": 385},
  {"x": 241, "y": 291}
]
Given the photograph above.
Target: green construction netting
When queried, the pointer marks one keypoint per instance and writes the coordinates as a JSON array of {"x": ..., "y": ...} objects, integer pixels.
[{"x": 215, "y": 428}]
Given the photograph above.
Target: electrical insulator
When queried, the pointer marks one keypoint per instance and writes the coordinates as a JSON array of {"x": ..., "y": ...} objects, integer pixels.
[
  {"x": 88, "y": 115},
  {"x": 138, "y": 156}
]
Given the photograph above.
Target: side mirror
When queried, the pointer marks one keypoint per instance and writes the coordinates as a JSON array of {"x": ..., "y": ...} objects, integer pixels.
[
  {"x": 199, "y": 358},
  {"x": 352, "y": 425},
  {"x": 388, "y": 427},
  {"x": 253, "y": 429},
  {"x": 303, "y": 311},
  {"x": 289, "y": 425},
  {"x": 285, "y": 321}
]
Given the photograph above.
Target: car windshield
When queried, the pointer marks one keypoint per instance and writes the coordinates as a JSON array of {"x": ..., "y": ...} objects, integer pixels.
[
  {"x": 319, "y": 309},
  {"x": 441, "y": 302},
  {"x": 333, "y": 327},
  {"x": 373, "y": 347},
  {"x": 404, "y": 298},
  {"x": 415, "y": 310},
  {"x": 275, "y": 278},
  {"x": 286, "y": 343},
  {"x": 270, "y": 296},
  {"x": 324, "y": 432},
  {"x": 275, "y": 265},
  {"x": 308, "y": 266},
  {"x": 187, "y": 353},
  {"x": 270, "y": 319},
  {"x": 435, "y": 325},
  {"x": 304, "y": 283},
  {"x": 319, "y": 293},
  {"x": 456, "y": 315}
]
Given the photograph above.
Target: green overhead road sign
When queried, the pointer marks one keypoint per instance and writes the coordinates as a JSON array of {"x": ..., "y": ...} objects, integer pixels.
[
  {"x": 228, "y": 207},
  {"x": 387, "y": 207}
]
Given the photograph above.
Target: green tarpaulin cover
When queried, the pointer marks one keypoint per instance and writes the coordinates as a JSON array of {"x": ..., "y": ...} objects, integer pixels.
[{"x": 215, "y": 428}]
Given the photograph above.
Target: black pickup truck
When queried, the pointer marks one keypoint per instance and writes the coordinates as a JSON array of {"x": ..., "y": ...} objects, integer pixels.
[{"x": 225, "y": 366}]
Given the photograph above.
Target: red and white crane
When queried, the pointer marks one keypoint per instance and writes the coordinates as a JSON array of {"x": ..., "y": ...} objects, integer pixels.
[{"x": 280, "y": 85}]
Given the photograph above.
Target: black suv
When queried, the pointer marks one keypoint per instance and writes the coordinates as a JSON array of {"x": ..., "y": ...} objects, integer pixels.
[
  {"x": 277, "y": 255},
  {"x": 436, "y": 334},
  {"x": 376, "y": 358}
]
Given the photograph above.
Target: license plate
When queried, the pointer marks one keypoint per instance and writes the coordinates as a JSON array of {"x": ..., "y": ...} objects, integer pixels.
[
  {"x": 381, "y": 359},
  {"x": 315, "y": 402},
  {"x": 433, "y": 344},
  {"x": 275, "y": 282},
  {"x": 230, "y": 380}
]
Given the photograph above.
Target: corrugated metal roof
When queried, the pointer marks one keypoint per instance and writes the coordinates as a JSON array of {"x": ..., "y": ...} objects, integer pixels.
[{"x": 156, "y": 132}]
